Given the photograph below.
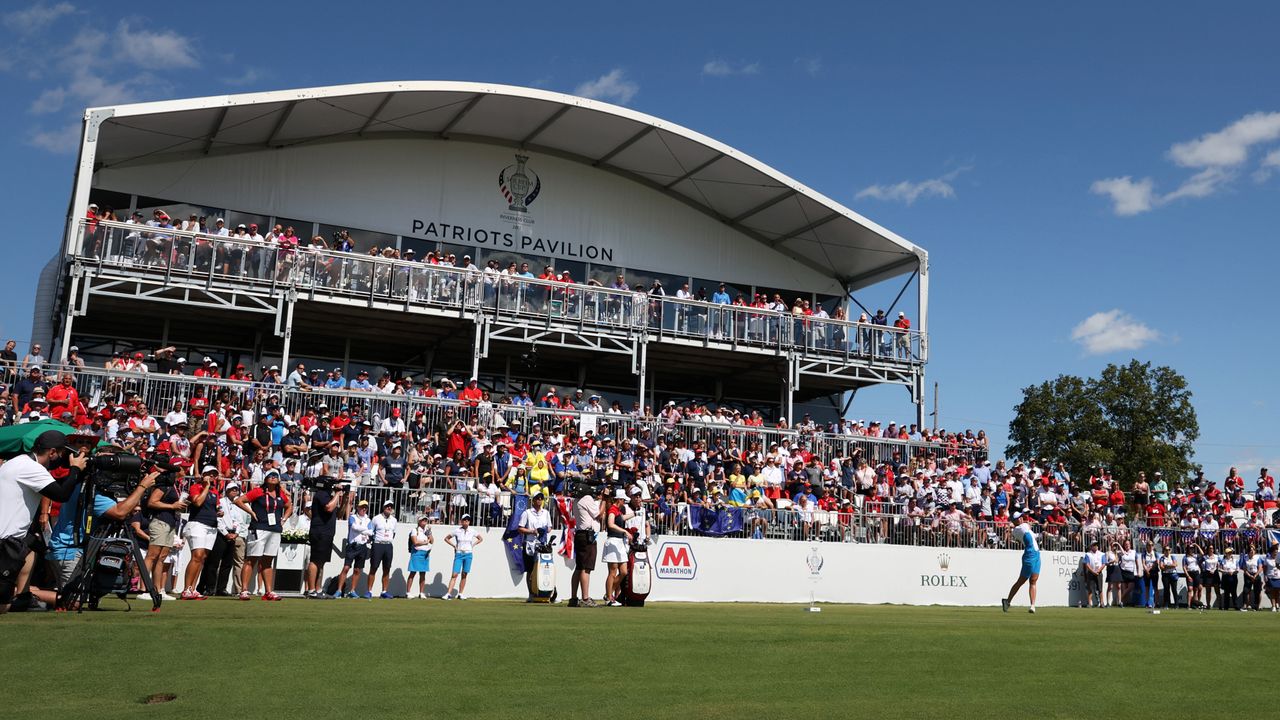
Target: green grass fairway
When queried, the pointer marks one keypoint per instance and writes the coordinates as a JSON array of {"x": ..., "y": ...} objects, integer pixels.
[{"x": 480, "y": 659}]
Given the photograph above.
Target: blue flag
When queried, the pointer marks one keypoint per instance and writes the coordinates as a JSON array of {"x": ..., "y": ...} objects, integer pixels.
[
  {"x": 715, "y": 522},
  {"x": 513, "y": 538}
]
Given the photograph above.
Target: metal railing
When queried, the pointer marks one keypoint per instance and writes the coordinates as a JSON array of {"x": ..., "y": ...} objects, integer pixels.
[
  {"x": 445, "y": 499},
  {"x": 160, "y": 393},
  {"x": 241, "y": 262}
]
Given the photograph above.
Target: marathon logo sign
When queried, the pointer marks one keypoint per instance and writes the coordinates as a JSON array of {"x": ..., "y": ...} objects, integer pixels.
[
  {"x": 676, "y": 561},
  {"x": 944, "y": 579}
]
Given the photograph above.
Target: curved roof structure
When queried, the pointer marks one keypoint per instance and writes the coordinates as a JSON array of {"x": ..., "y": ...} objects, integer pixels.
[{"x": 758, "y": 201}]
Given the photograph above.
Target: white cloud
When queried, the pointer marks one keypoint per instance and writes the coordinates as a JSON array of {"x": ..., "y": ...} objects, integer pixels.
[
  {"x": 154, "y": 50},
  {"x": 62, "y": 141},
  {"x": 612, "y": 86},
  {"x": 811, "y": 65},
  {"x": 723, "y": 68},
  {"x": 98, "y": 67},
  {"x": 50, "y": 100},
  {"x": 1110, "y": 331},
  {"x": 908, "y": 192},
  {"x": 1217, "y": 157},
  {"x": 1127, "y": 196},
  {"x": 1230, "y": 145},
  {"x": 248, "y": 77},
  {"x": 36, "y": 17}
]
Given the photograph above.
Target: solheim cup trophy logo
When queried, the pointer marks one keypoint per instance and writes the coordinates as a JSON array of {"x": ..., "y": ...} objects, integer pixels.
[
  {"x": 519, "y": 184},
  {"x": 814, "y": 561}
]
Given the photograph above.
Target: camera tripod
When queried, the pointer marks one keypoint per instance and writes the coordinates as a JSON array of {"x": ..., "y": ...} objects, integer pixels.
[{"x": 82, "y": 588}]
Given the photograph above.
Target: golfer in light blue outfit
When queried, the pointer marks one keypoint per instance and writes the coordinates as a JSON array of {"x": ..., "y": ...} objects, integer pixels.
[{"x": 1030, "y": 562}]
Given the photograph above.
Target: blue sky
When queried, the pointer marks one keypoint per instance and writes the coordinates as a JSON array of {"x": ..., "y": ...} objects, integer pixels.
[{"x": 1093, "y": 183}]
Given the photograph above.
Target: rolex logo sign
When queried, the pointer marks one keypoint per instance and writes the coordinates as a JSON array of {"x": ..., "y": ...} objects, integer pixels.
[{"x": 945, "y": 578}]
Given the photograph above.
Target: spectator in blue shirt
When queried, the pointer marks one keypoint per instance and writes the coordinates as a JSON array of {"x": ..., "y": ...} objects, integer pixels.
[
  {"x": 336, "y": 381},
  {"x": 362, "y": 381}
]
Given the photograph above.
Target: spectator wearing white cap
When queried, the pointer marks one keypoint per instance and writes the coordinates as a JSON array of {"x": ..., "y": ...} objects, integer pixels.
[
  {"x": 356, "y": 550},
  {"x": 268, "y": 507},
  {"x": 384, "y": 534},
  {"x": 201, "y": 531},
  {"x": 226, "y": 559},
  {"x": 617, "y": 536},
  {"x": 463, "y": 540}
]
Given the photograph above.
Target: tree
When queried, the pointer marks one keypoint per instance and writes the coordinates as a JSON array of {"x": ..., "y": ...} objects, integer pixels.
[{"x": 1131, "y": 418}]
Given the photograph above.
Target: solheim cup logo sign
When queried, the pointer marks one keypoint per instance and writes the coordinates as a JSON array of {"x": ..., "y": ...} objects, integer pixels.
[
  {"x": 519, "y": 186},
  {"x": 814, "y": 561}
]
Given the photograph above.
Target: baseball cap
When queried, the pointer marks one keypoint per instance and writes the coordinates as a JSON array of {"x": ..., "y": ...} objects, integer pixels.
[
  {"x": 363, "y": 503},
  {"x": 208, "y": 469},
  {"x": 49, "y": 440}
]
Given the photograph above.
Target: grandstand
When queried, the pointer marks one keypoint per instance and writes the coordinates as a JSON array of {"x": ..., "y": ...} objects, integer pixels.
[{"x": 661, "y": 264}]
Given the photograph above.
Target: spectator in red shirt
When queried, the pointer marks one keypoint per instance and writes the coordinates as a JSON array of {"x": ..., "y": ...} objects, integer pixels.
[
  {"x": 63, "y": 397},
  {"x": 472, "y": 394}
]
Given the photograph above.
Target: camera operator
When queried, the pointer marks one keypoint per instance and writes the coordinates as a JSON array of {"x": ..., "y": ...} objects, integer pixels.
[
  {"x": 328, "y": 505},
  {"x": 23, "y": 480},
  {"x": 66, "y": 539},
  {"x": 268, "y": 507},
  {"x": 162, "y": 508},
  {"x": 201, "y": 531},
  {"x": 587, "y": 514}
]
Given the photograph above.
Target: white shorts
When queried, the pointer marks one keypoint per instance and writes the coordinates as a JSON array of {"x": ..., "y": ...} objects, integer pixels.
[
  {"x": 200, "y": 536},
  {"x": 262, "y": 543},
  {"x": 615, "y": 550}
]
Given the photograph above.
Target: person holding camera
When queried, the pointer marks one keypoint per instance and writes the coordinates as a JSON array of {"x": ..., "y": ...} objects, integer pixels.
[
  {"x": 268, "y": 507},
  {"x": 162, "y": 508},
  {"x": 587, "y": 514},
  {"x": 326, "y": 508},
  {"x": 201, "y": 530},
  {"x": 24, "y": 480},
  {"x": 68, "y": 535}
]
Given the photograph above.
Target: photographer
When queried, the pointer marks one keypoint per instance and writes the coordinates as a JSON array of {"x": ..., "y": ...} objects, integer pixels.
[
  {"x": 268, "y": 507},
  {"x": 162, "y": 508},
  {"x": 23, "y": 480},
  {"x": 201, "y": 531},
  {"x": 587, "y": 514},
  {"x": 328, "y": 505},
  {"x": 67, "y": 538}
]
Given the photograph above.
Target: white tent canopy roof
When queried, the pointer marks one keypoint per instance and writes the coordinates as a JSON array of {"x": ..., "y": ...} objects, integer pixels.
[{"x": 751, "y": 197}]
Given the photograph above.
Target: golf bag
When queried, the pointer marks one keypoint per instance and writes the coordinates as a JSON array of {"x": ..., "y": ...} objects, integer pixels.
[
  {"x": 639, "y": 576},
  {"x": 544, "y": 572}
]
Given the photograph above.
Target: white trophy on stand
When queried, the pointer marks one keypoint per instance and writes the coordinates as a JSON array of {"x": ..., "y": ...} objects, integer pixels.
[{"x": 814, "y": 561}]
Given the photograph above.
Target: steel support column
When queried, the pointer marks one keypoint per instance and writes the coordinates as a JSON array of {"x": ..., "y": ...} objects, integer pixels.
[
  {"x": 641, "y": 367},
  {"x": 792, "y": 384},
  {"x": 290, "y": 299},
  {"x": 477, "y": 347},
  {"x": 70, "y": 314},
  {"x": 922, "y": 290}
]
